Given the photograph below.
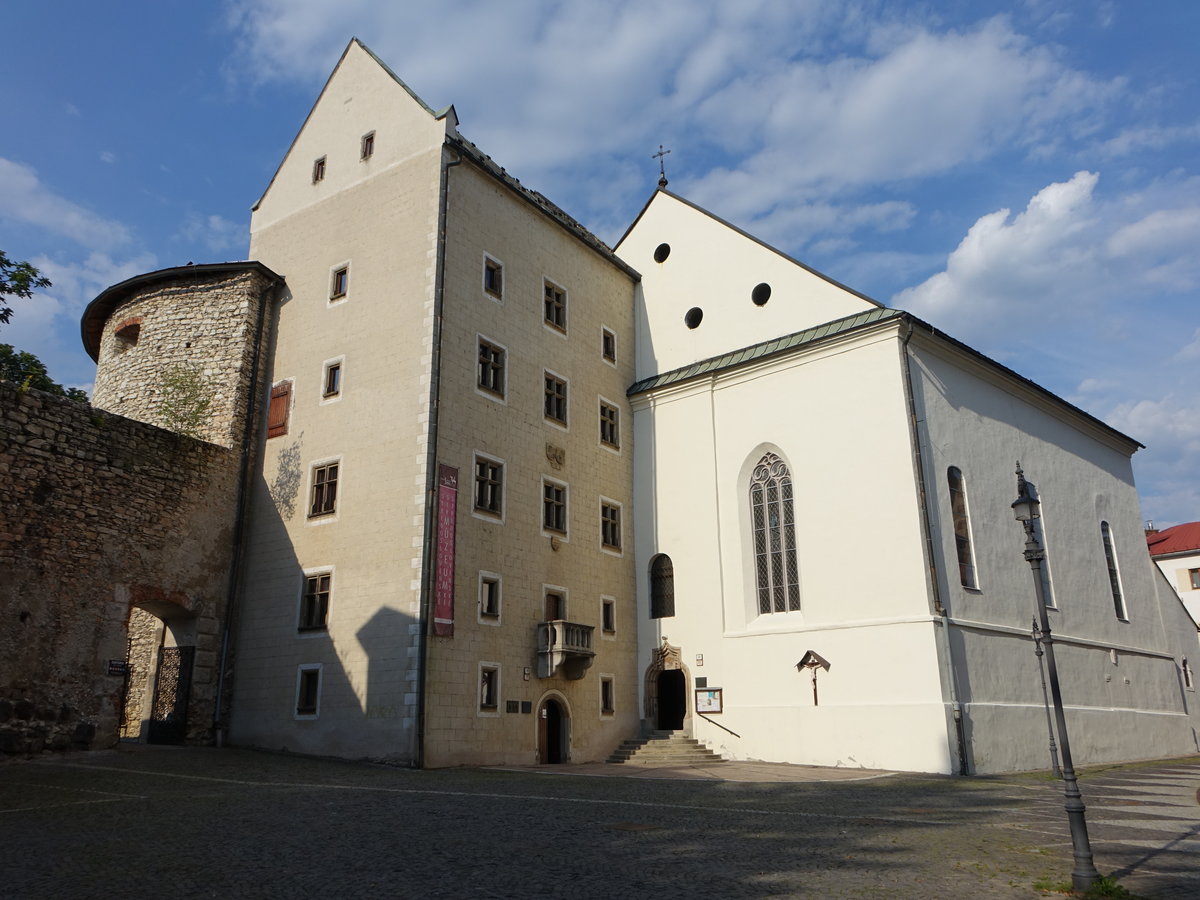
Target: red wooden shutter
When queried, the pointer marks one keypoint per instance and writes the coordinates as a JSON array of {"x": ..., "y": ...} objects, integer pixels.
[{"x": 281, "y": 403}]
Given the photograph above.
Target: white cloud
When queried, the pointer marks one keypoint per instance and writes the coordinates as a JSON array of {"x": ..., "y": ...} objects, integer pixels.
[
  {"x": 215, "y": 234},
  {"x": 107, "y": 156},
  {"x": 25, "y": 199}
]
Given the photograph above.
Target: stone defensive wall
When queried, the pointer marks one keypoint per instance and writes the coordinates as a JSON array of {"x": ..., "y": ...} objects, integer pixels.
[{"x": 101, "y": 516}]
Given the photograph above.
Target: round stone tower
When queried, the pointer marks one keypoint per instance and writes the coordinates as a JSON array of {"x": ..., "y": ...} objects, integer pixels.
[{"x": 177, "y": 348}]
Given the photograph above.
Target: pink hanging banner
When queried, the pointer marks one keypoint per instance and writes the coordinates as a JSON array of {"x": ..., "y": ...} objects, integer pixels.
[{"x": 443, "y": 607}]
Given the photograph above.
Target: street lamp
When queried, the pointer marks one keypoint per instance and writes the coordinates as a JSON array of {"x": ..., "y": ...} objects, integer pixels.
[{"x": 1025, "y": 508}]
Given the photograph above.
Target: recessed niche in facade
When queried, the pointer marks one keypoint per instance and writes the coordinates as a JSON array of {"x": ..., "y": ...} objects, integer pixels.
[
  {"x": 761, "y": 294},
  {"x": 693, "y": 317},
  {"x": 661, "y": 252}
]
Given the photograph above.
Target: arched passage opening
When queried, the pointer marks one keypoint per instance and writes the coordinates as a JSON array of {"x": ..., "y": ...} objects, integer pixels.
[
  {"x": 159, "y": 661},
  {"x": 554, "y": 731}
]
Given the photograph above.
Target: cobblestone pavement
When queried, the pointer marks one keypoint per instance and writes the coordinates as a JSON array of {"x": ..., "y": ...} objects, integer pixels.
[{"x": 173, "y": 822}]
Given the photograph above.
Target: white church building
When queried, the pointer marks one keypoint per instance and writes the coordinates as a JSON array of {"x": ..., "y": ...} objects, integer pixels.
[{"x": 519, "y": 496}]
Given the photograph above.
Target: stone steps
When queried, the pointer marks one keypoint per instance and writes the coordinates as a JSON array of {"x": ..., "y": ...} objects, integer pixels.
[{"x": 663, "y": 748}]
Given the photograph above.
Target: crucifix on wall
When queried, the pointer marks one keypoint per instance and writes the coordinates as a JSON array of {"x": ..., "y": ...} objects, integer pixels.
[{"x": 813, "y": 661}]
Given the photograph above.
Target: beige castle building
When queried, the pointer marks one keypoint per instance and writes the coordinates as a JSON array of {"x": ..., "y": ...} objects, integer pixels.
[{"x": 508, "y": 495}]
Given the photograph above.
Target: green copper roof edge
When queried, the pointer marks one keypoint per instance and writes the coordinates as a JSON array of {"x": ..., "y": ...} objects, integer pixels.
[{"x": 764, "y": 349}]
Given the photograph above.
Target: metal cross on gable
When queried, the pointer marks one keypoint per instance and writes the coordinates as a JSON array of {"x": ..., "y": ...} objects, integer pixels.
[{"x": 662, "y": 171}]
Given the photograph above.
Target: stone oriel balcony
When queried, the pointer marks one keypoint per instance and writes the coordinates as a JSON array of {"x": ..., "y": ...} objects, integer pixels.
[{"x": 565, "y": 646}]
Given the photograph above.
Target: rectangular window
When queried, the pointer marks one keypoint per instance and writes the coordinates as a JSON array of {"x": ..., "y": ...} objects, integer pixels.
[
  {"x": 493, "y": 278},
  {"x": 1194, "y": 576},
  {"x": 555, "y": 311},
  {"x": 314, "y": 604},
  {"x": 333, "y": 380},
  {"x": 554, "y": 507},
  {"x": 308, "y": 691},
  {"x": 610, "y": 525},
  {"x": 319, "y": 170},
  {"x": 368, "y": 145},
  {"x": 555, "y": 398},
  {"x": 324, "y": 490},
  {"x": 608, "y": 345},
  {"x": 339, "y": 283},
  {"x": 610, "y": 433},
  {"x": 491, "y": 367},
  {"x": 281, "y": 405},
  {"x": 1114, "y": 574},
  {"x": 489, "y": 687},
  {"x": 489, "y": 486},
  {"x": 606, "y": 694},
  {"x": 608, "y": 615},
  {"x": 489, "y": 595}
]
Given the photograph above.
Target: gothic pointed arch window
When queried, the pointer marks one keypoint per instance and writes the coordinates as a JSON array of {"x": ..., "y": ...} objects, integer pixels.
[
  {"x": 776, "y": 575},
  {"x": 662, "y": 587}
]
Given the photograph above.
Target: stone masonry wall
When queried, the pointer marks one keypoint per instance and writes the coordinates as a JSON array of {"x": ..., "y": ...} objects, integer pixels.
[
  {"x": 100, "y": 514},
  {"x": 204, "y": 321}
]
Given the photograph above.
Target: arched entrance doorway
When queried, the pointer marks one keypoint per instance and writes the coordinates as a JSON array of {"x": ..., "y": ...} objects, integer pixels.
[
  {"x": 666, "y": 687},
  {"x": 672, "y": 699},
  {"x": 159, "y": 662},
  {"x": 554, "y": 731}
]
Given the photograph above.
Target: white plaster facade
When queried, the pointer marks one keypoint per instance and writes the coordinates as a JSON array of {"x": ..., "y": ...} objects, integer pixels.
[{"x": 869, "y": 413}]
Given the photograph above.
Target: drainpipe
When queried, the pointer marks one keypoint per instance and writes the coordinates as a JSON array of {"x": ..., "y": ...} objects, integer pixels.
[
  {"x": 239, "y": 526},
  {"x": 939, "y": 608},
  {"x": 431, "y": 480}
]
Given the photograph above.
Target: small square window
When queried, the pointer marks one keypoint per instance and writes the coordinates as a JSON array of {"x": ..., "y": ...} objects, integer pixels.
[
  {"x": 489, "y": 595},
  {"x": 489, "y": 687},
  {"x": 333, "y": 380},
  {"x": 489, "y": 486},
  {"x": 610, "y": 433},
  {"x": 608, "y": 345},
  {"x": 610, "y": 525},
  {"x": 554, "y": 507},
  {"x": 319, "y": 170},
  {"x": 368, "y": 145},
  {"x": 606, "y": 694},
  {"x": 491, "y": 367},
  {"x": 555, "y": 405},
  {"x": 493, "y": 278},
  {"x": 314, "y": 604},
  {"x": 324, "y": 490},
  {"x": 339, "y": 283},
  {"x": 555, "y": 311},
  {"x": 608, "y": 615},
  {"x": 308, "y": 691},
  {"x": 1194, "y": 577}
]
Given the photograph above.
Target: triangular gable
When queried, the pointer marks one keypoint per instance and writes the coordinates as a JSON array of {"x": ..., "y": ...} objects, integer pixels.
[{"x": 441, "y": 123}]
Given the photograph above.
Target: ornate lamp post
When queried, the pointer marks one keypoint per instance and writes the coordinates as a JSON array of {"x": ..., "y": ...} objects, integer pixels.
[
  {"x": 1037, "y": 642},
  {"x": 1025, "y": 508}
]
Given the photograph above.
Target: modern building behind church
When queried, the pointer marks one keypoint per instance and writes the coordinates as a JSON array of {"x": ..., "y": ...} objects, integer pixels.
[{"x": 517, "y": 496}]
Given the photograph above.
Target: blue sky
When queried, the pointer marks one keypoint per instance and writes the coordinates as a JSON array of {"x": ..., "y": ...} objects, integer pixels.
[{"x": 1024, "y": 175}]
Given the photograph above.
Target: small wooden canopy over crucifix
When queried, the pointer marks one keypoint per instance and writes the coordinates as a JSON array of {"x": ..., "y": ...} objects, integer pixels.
[{"x": 812, "y": 660}]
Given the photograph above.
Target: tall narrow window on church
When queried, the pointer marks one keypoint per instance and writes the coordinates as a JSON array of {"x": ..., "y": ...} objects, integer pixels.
[
  {"x": 1114, "y": 575},
  {"x": 776, "y": 574},
  {"x": 662, "y": 587},
  {"x": 962, "y": 528}
]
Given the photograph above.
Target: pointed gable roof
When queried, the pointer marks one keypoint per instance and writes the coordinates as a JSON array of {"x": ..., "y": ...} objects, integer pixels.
[
  {"x": 448, "y": 113},
  {"x": 1183, "y": 538}
]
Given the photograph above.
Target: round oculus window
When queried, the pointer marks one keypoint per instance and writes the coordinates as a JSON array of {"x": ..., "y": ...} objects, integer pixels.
[
  {"x": 761, "y": 294},
  {"x": 693, "y": 317},
  {"x": 661, "y": 252}
]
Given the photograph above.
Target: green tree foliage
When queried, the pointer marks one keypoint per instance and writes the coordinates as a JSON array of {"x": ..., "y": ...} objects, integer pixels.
[
  {"x": 186, "y": 397},
  {"x": 17, "y": 279},
  {"x": 28, "y": 371}
]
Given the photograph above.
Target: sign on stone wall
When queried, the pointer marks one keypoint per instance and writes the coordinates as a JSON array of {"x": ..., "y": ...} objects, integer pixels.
[{"x": 443, "y": 609}]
